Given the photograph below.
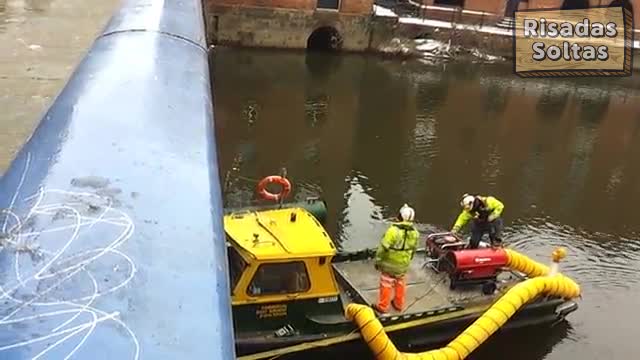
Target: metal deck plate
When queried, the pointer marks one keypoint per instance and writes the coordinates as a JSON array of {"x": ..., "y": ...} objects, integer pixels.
[{"x": 426, "y": 289}]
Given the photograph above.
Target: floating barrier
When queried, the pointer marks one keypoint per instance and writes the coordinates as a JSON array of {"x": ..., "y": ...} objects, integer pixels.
[{"x": 544, "y": 281}]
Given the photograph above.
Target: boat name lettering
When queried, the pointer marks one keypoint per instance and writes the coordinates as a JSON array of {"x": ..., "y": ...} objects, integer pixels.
[
  {"x": 268, "y": 311},
  {"x": 327, "y": 299}
]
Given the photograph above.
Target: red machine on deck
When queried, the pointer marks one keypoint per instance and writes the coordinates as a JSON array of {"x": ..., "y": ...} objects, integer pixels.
[{"x": 465, "y": 266}]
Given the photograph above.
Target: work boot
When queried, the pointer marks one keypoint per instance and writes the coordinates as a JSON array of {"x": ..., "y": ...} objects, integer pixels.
[
  {"x": 377, "y": 309},
  {"x": 399, "y": 308}
]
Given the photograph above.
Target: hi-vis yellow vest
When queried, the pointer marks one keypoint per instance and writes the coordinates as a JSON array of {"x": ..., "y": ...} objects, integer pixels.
[{"x": 397, "y": 248}]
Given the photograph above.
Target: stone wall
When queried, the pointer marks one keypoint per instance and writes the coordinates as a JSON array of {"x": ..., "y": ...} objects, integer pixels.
[
  {"x": 383, "y": 31},
  {"x": 283, "y": 28}
]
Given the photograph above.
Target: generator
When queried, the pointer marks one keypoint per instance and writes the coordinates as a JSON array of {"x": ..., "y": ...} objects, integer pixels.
[
  {"x": 437, "y": 246},
  {"x": 474, "y": 266}
]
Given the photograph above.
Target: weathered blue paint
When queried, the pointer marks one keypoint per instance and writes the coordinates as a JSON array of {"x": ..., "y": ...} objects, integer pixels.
[{"x": 112, "y": 244}]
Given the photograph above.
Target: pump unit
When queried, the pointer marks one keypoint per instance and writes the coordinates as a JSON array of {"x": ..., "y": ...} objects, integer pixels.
[{"x": 474, "y": 266}]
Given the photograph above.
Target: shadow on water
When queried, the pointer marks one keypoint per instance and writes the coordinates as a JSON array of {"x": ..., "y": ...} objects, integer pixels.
[
  {"x": 371, "y": 134},
  {"x": 322, "y": 64}
]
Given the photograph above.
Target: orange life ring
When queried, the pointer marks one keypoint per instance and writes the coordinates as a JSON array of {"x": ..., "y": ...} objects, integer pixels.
[{"x": 273, "y": 179}]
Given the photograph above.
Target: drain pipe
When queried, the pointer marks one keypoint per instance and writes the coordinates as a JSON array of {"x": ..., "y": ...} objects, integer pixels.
[{"x": 120, "y": 184}]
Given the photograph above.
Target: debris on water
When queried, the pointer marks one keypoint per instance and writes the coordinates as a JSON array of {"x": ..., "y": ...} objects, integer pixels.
[
  {"x": 430, "y": 45},
  {"x": 95, "y": 182},
  {"x": 399, "y": 47},
  {"x": 430, "y": 50},
  {"x": 484, "y": 56}
]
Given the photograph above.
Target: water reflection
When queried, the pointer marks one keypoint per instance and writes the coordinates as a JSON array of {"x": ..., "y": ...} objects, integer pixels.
[
  {"x": 316, "y": 110},
  {"x": 372, "y": 134},
  {"x": 551, "y": 103},
  {"x": 322, "y": 65}
]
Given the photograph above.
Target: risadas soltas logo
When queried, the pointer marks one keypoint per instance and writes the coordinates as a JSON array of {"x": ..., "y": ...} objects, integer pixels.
[{"x": 583, "y": 42}]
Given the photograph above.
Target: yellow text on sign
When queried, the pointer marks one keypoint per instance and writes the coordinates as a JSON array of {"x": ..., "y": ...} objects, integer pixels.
[{"x": 269, "y": 311}]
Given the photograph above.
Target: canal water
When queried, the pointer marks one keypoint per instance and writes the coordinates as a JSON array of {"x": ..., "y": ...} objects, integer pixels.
[{"x": 372, "y": 134}]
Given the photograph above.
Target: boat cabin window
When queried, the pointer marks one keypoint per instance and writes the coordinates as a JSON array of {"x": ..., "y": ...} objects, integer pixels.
[
  {"x": 236, "y": 266},
  {"x": 283, "y": 278}
]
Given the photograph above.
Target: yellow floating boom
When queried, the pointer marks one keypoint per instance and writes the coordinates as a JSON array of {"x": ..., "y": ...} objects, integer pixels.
[{"x": 544, "y": 281}]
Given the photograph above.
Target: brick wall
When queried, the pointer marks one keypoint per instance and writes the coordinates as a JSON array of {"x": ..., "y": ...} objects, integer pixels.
[
  {"x": 346, "y": 6},
  {"x": 545, "y": 4},
  {"x": 285, "y": 4},
  {"x": 492, "y": 6},
  {"x": 556, "y": 4},
  {"x": 356, "y": 6}
]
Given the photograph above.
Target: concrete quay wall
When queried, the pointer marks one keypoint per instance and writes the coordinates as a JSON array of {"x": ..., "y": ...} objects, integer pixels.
[{"x": 283, "y": 28}]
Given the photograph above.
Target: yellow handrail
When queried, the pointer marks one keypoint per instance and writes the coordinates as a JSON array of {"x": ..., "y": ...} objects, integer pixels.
[{"x": 544, "y": 281}]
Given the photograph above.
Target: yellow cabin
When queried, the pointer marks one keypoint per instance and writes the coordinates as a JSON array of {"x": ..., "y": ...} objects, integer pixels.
[{"x": 279, "y": 263}]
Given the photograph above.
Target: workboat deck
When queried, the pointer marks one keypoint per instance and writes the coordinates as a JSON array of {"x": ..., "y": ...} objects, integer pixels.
[{"x": 426, "y": 289}]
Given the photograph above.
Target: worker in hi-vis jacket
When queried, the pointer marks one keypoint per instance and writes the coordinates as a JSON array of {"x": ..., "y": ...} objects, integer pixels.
[
  {"x": 486, "y": 213},
  {"x": 393, "y": 259}
]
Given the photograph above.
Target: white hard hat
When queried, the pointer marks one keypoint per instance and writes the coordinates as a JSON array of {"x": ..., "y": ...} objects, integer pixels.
[
  {"x": 407, "y": 213},
  {"x": 467, "y": 201}
]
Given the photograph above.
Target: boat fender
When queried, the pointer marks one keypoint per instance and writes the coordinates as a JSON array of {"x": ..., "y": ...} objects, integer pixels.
[{"x": 274, "y": 179}]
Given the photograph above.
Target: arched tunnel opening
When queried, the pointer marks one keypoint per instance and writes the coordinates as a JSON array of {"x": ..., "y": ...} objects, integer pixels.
[{"x": 325, "y": 38}]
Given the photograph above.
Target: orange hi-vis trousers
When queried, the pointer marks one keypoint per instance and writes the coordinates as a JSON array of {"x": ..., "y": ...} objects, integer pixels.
[{"x": 387, "y": 284}]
